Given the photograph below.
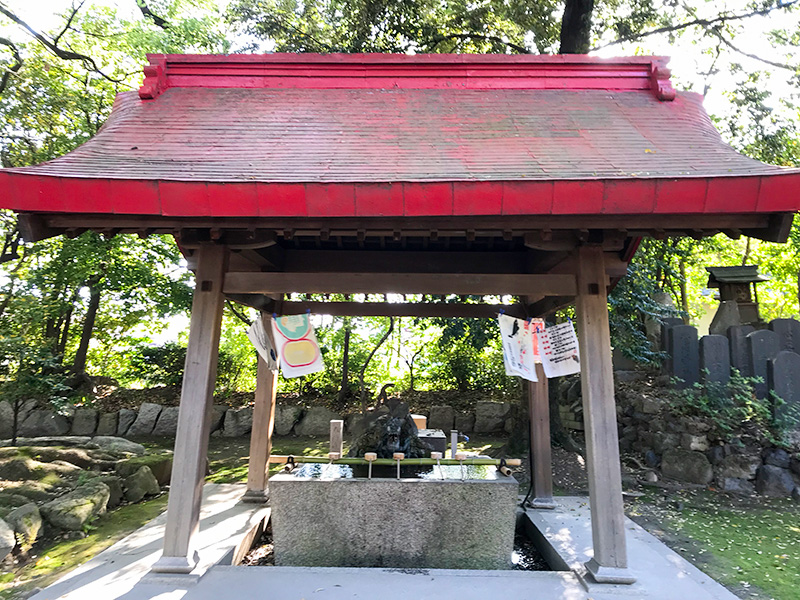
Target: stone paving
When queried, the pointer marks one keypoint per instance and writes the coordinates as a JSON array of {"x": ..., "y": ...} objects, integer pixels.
[{"x": 122, "y": 571}]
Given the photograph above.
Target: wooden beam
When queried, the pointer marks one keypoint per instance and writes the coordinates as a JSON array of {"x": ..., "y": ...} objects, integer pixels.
[
  {"x": 233, "y": 238},
  {"x": 609, "y": 563},
  {"x": 257, "y": 301},
  {"x": 34, "y": 228},
  {"x": 399, "y": 283},
  {"x": 419, "y": 226},
  {"x": 541, "y": 452},
  {"x": 403, "y": 309},
  {"x": 403, "y": 261},
  {"x": 194, "y": 417},
  {"x": 261, "y": 432},
  {"x": 777, "y": 230},
  {"x": 547, "y": 306}
]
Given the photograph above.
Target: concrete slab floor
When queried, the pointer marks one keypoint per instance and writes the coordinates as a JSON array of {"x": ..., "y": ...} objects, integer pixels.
[
  {"x": 328, "y": 583},
  {"x": 122, "y": 571},
  {"x": 661, "y": 573}
]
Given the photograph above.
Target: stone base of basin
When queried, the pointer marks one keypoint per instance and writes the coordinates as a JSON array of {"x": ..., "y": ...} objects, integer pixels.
[{"x": 406, "y": 523}]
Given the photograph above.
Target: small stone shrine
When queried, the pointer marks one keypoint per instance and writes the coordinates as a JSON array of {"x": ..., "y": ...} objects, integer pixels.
[{"x": 734, "y": 284}]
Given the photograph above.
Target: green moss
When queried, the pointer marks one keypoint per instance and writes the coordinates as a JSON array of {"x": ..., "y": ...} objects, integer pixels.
[
  {"x": 60, "y": 556},
  {"x": 159, "y": 464},
  {"x": 15, "y": 451}
]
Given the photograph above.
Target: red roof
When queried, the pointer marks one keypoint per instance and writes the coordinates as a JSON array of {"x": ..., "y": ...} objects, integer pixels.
[{"x": 386, "y": 135}]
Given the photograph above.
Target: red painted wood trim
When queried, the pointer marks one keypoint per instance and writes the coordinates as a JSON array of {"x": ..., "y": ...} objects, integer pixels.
[
  {"x": 431, "y": 71},
  {"x": 635, "y": 196}
]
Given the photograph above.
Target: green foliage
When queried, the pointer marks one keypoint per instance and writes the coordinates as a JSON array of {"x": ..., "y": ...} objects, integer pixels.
[
  {"x": 733, "y": 406},
  {"x": 635, "y": 299},
  {"x": 164, "y": 365},
  {"x": 470, "y": 356},
  {"x": 49, "y": 107},
  {"x": 31, "y": 374},
  {"x": 159, "y": 365},
  {"x": 390, "y": 26}
]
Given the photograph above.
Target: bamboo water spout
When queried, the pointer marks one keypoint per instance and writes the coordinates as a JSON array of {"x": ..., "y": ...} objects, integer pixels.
[{"x": 282, "y": 459}]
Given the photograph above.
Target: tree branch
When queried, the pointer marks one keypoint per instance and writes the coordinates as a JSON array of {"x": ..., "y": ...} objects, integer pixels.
[
  {"x": 53, "y": 47},
  {"x": 730, "y": 45},
  {"x": 238, "y": 314},
  {"x": 68, "y": 24},
  {"x": 8, "y": 72},
  {"x": 719, "y": 20},
  {"x": 477, "y": 36},
  {"x": 148, "y": 14}
]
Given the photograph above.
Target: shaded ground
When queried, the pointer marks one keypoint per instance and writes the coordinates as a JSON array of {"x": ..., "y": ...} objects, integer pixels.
[
  {"x": 51, "y": 560},
  {"x": 750, "y": 544}
]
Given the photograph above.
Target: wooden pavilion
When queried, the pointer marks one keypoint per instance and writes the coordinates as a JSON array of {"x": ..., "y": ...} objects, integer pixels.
[{"x": 531, "y": 176}]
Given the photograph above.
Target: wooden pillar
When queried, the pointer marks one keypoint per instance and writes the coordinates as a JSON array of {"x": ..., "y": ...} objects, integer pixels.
[
  {"x": 261, "y": 433},
  {"x": 337, "y": 436},
  {"x": 610, "y": 561},
  {"x": 541, "y": 458},
  {"x": 191, "y": 439}
]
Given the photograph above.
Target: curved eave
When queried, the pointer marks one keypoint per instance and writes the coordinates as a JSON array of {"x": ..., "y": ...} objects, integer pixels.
[{"x": 775, "y": 193}]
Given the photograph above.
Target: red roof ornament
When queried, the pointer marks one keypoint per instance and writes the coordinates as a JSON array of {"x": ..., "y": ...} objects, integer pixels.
[
  {"x": 155, "y": 78},
  {"x": 662, "y": 86}
]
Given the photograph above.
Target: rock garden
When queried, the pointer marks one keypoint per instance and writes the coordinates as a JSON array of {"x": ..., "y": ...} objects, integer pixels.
[{"x": 57, "y": 486}]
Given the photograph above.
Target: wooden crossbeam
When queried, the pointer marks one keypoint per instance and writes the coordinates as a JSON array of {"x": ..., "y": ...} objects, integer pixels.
[
  {"x": 403, "y": 309},
  {"x": 399, "y": 283}
]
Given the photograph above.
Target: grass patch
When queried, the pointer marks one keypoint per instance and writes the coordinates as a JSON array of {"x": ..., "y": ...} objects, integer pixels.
[
  {"x": 59, "y": 556},
  {"x": 752, "y": 546}
]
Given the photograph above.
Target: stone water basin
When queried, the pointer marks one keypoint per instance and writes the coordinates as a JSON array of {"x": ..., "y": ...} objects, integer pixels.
[{"x": 333, "y": 516}]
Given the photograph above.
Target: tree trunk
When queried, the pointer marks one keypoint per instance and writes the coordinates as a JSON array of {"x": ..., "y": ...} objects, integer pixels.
[
  {"x": 366, "y": 364},
  {"x": 13, "y": 277},
  {"x": 79, "y": 365},
  {"x": 345, "y": 363},
  {"x": 17, "y": 406},
  {"x": 746, "y": 256},
  {"x": 558, "y": 433},
  {"x": 62, "y": 342},
  {"x": 684, "y": 294},
  {"x": 576, "y": 26}
]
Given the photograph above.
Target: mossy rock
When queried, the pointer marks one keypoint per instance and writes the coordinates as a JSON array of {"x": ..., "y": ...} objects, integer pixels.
[
  {"x": 80, "y": 457},
  {"x": 9, "y": 501},
  {"x": 26, "y": 523},
  {"x": 140, "y": 484},
  {"x": 14, "y": 451},
  {"x": 38, "y": 491},
  {"x": 23, "y": 468},
  {"x": 74, "y": 510},
  {"x": 115, "y": 488},
  {"x": 159, "y": 464}
]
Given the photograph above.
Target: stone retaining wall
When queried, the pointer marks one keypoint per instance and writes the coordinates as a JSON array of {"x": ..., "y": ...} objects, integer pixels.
[
  {"x": 686, "y": 449},
  {"x": 156, "y": 420}
]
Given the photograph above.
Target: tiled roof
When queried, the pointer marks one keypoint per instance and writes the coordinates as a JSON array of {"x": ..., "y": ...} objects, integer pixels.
[{"x": 403, "y": 136}]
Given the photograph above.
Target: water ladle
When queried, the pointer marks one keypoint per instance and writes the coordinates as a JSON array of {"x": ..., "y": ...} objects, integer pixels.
[
  {"x": 437, "y": 456},
  {"x": 398, "y": 456},
  {"x": 369, "y": 457},
  {"x": 460, "y": 457}
]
